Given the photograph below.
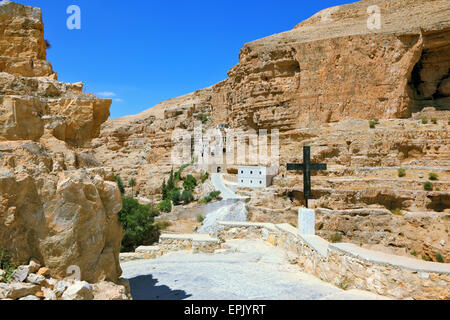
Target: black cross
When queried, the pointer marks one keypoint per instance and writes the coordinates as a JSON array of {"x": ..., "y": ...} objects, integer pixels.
[{"x": 307, "y": 167}]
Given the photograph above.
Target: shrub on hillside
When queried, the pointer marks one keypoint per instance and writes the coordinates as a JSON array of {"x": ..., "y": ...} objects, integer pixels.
[
  {"x": 138, "y": 224},
  {"x": 424, "y": 120},
  {"x": 439, "y": 257},
  {"x": 401, "y": 172},
  {"x": 7, "y": 265},
  {"x": 204, "y": 176},
  {"x": 187, "y": 197},
  {"x": 120, "y": 184},
  {"x": 433, "y": 176},
  {"x": 428, "y": 186},
  {"x": 163, "y": 225},
  {"x": 165, "y": 206},
  {"x": 175, "y": 196},
  {"x": 336, "y": 237},
  {"x": 189, "y": 183},
  {"x": 372, "y": 124},
  {"x": 215, "y": 195}
]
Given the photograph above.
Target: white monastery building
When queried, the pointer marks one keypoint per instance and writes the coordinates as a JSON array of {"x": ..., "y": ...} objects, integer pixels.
[{"x": 256, "y": 177}]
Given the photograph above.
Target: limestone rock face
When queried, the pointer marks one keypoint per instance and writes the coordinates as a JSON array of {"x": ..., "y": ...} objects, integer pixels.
[
  {"x": 22, "y": 44},
  {"x": 57, "y": 204},
  {"x": 32, "y": 101},
  {"x": 333, "y": 67}
]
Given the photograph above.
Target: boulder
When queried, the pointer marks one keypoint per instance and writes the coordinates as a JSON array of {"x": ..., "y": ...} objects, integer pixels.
[
  {"x": 81, "y": 290},
  {"x": 36, "y": 279},
  {"x": 60, "y": 287},
  {"x": 21, "y": 273},
  {"x": 34, "y": 265},
  {"x": 17, "y": 290},
  {"x": 49, "y": 294},
  {"x": 110, "y": 291}
]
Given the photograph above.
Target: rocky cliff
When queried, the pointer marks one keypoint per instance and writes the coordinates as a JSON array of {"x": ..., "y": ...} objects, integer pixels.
[
  {"x": 57, "y": 204},
  {"x": 319, "y": 84}
]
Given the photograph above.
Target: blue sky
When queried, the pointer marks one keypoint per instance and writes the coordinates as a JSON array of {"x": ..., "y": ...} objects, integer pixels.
[{"x": 140, "y": 53}]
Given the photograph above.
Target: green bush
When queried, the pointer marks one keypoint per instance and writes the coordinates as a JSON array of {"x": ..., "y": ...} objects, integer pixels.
[
  {"x": 376, "y": 120},
  {"x": 336, "y": 237},
  {"x": 428, "y": 186},
  {"x": 204, "y": 177},
  {"x": 372, "y": 124},
  {"x": 138, "y": 224},
  {"x": 215, "y": 195},
  {"x": 120, "y": 184},
  {"x": 434, "y": 120},
  {"x": 189, "y": 183},
  {"x": 162, "y": 225},
  {"x": 175, "y": 196},
  {"x": 165, "y": 206},
  {"x": 433, "y": 176},
  {"x": 187, "y": 197},
  {"x": 426, "y": 258},
  {"x": 200, "y": 218},
  {"x": 413, "y": 253},
  {"x": 164, "y": 190},
  {"x": 448, "y": 121},
  {"x": 132, "y": 183},
  {"x": 401, "y": 172},
  {"x": 439, "y": 257},
  {"x": 170, "y": 182},
  {"x": 6, "y": 264},
  {"x": 424, "y": 120},
  {"x": 177, "y": 176}
]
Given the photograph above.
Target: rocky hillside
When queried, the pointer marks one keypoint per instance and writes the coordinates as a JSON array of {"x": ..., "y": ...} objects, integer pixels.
[
  {"x": 57, "y": 204},
  {"x": 319, "y": 84}
]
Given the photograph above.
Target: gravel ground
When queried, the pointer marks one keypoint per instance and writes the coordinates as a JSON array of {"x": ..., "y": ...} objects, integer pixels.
[{"x": 245, "y": 270}]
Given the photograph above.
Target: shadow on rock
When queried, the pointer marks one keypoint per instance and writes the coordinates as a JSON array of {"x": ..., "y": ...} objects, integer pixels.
[{"x": 145, "y": 288}]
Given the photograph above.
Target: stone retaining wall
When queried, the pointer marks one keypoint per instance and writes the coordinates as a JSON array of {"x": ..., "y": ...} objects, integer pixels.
[
  {"x": 174, "y": 242},
  {"x": 349, "y": 266}
]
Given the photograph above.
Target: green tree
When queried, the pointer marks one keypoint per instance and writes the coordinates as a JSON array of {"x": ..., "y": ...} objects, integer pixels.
[
  {"x": 170, "y": 183},
  {"x": 138, "y": 224},
  {"x": 164, "y": 190},
  {"x": 175, "y": 196},
  {"x": 120, "y": 184},
  {"x": 189, "y": 183},
  {"x": 187, "y": 197},
  {"x": 132, "y": 184},
  {"x": 165, "y": 206}
]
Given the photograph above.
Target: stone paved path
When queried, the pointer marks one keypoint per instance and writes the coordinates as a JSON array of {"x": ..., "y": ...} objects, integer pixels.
[{"x": 246, "y": 270}]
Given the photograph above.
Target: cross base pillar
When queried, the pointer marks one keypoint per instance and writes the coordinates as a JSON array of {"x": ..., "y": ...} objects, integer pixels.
[{"x": 306, "y": 222}]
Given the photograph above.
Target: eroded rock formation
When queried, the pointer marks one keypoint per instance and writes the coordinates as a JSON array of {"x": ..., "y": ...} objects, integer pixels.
[{"x": 57, "y": 204}]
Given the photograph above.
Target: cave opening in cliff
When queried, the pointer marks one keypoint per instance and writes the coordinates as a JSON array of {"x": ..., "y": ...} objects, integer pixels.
[{"x": 430, "y": 80}]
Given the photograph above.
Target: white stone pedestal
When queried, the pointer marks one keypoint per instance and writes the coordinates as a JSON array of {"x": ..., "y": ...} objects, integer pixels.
[{"x": 306, "y": 222}]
